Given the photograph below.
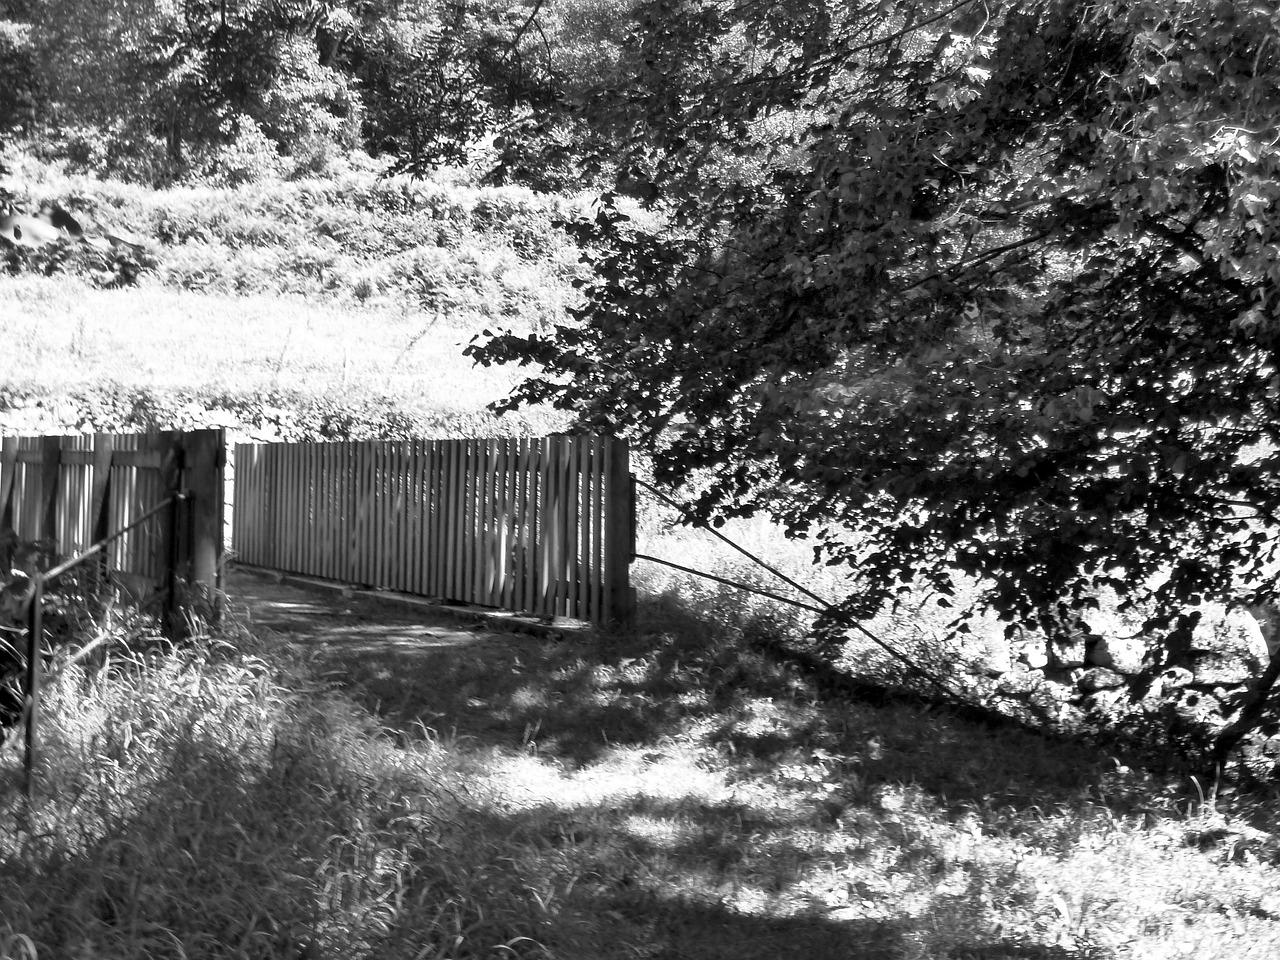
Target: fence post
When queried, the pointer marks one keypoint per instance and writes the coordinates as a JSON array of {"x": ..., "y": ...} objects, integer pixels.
[
  {"x": 620, "y": 535},
  {"x": 206, "y": 458}
]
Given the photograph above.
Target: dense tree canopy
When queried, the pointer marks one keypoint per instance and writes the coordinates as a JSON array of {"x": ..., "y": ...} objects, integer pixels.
[
  {"x": 994, "y": 284},
  {"x": 421, "y": 81}
]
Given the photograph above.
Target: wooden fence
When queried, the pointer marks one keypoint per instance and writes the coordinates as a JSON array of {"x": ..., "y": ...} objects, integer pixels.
[
  {"x": 544, "y": 526},
  {"x": 71, "y": 492}
]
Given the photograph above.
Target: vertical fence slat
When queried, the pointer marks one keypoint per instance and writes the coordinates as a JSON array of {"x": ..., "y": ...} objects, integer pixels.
[{"x": 542, "y": 525}]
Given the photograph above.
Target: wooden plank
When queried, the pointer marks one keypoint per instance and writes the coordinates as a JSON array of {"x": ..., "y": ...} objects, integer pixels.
[
  {"x": 344, "y": 483},
  {"x": 8, "y": 480},
  {"x": 297, "y": 507},
  {"x": 582, "y": 536},
  {"x": 453, "y": 521},
  {"x": 249, "y": 516},
  {"x": 394, "y": 557},
  {"x": 206, "y": 462},
  {"x": 435, "y": 520},
  {"x": 268, "y": 512},
  {"x": 478, "y": 509},
  {"x": 404, "y": 516},
  {"x": 319, "y": 510},
  {"x": 63, "y": 483},
  {"x": 497, "y": 525},
  {"x": 99, "y": 516},
  {"x": 373, "y": 534},
  {"x": 466, "y": 511},
  {"x": 239, "y": 507},
  {"x": 315, "y": 526},
  {"x": 462, "y": 514},
  {"x": 145, "y": 458},
  {"x": 528, "y": 494},
  {"x": 543, "y": 603},
  {"x": 439, "y": 518},
  {"x": 579, "y": 603},
  {"x": 344, "y": 454},
  {"x": 306, "y": 559},
  {"x": 462, "y": 584},
  {"x": 524, "y": 522},
  {"x": 598, "y": 463},
  {"x": 264, "y": 533},
  {"x": 385, "y": 520},
  {"x": 364, "y": 482},
  {"x": 480, "y": 505},
  {"x": 281, "y": 503},
  {"x": 387, "y": 555},
  {"x": 418, "y": 530},
  {"x": 50, "y": 468},
  {"x": 619, "y": 536},
  {"x": 382, "y": 479}
]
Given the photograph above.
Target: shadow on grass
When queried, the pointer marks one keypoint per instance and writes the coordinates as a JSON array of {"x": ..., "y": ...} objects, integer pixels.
[
  {"x": 577, "y": 701},
  {"x": 335, "y": 845}
]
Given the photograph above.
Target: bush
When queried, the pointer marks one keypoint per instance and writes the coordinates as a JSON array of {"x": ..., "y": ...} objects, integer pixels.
[{"x": 250, "y": 156}]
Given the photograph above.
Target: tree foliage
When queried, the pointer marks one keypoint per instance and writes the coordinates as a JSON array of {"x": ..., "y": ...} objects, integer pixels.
[
  {"x": 993, "y": 284},
  {"x": 187, "y": 75}
]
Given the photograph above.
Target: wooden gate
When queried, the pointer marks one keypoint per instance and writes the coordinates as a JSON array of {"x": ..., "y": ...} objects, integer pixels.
[
  {"x": 544, "y": 526},
  {"x": 71, "y": 492}
]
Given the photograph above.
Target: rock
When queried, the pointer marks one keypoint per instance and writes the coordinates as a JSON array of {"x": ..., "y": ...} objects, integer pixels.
[
  {"x": 1225, "y": 668},
  {"x": 1227, "y": 646},
  {"x": 1110, "y": 703},
  {"x": 1230, "y": 631},
  {"x": 1067, "y": 652},
  {"x": 1267, "y": 618},
  {"x": 1034, "y": 656},
  {"x": 1175, "y": 678},
  {"x": 992, "y": 657},
  {"x": 1101, "y": 678},
  {"x": 1122, "y": 654}
]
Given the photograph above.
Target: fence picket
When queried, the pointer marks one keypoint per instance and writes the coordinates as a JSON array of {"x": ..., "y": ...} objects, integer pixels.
[{"x": 541, "y": 525}]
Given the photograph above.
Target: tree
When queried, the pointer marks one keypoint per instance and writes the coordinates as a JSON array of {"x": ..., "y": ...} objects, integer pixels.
[
  {"x": 440, "y": 77},
  {"x": 994, "y": 284},
  {"x": 120, "y": 75},
  {"x": 19, "y": 88}
]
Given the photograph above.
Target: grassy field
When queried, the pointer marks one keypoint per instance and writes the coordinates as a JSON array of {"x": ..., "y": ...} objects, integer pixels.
[
  {"x": 675, "y": 793},
  {"x": 74, "y": 349}
]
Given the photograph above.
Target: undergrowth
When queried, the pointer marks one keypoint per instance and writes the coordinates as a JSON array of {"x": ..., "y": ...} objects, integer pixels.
[
  {"x": 676, "y": 792},
  {"x": 489, "y": 254},
  {"x": 209, "y": 801}
]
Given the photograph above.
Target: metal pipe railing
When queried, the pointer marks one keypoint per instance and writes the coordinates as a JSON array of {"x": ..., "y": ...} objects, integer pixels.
[{"x": 35, "y": 622}]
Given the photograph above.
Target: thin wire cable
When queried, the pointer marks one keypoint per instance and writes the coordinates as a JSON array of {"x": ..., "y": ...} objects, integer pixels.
[{"x": 826, "y": 609}]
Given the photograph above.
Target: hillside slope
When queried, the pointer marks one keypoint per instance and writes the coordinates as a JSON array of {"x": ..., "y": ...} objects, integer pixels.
[{"x": 284, "y": 308}]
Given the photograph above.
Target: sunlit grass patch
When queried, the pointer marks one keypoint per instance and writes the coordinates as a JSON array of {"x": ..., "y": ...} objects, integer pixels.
[{"x": 67, "y": 340}]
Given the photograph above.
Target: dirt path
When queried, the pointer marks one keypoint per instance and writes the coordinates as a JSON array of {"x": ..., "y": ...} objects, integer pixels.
[
  {"x": 409, "y": 662},
  {"x": 356, "y": 621}
]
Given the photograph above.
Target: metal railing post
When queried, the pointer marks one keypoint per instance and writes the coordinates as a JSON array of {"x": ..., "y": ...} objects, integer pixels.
[
  {"x": 171, "y": 563},
  {"x": 31, "y": 693}
]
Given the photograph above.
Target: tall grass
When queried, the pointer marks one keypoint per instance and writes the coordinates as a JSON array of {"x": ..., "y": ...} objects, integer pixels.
[
  {"x": 477, "y": 254},
  {"x": 208, "y": 802}
]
